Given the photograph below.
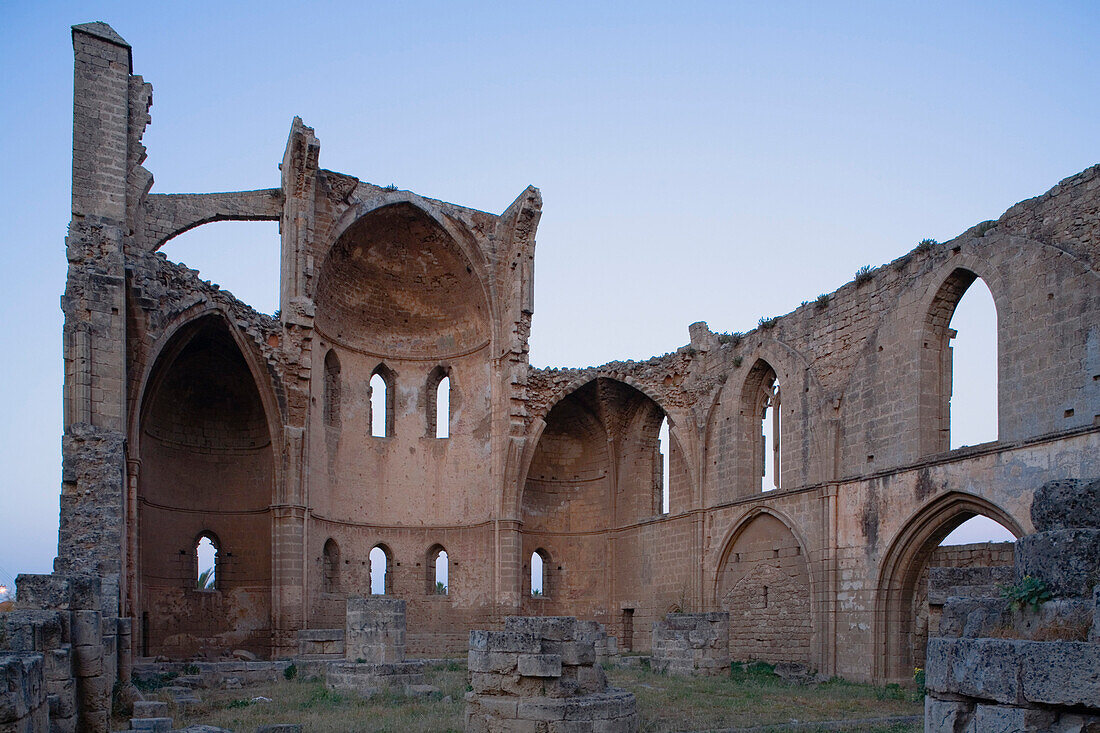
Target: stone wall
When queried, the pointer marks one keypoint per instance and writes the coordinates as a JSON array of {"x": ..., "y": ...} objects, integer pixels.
[
  {"x": 823, "y": 571},
  {"x": 537, "y": 676},
  {"x": 692, "y": 644}
]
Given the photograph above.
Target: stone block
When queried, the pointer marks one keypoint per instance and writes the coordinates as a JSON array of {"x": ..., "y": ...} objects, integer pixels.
[
  {"x": 280, "y": 728},
  {"x": 1065, "y": 559},
  {"x": 1008, "y": 719},
  {"x": 505, "y": 641},
  {"x": 1066, "y": 504},
  {"x": 947, "y": 716},
  {"x": 1062, "y": 673},
  {"x": 153, "y": 725},
  {"x": 22, "y": 686},
  {"x": 496, "y": 662},
  {"x": 87, "y": 628},
  {"x": 551, "y": 628},
  {"x": 150, "y": 709},
  {"x": 541, "y": 708},
  {"x": 539, "y": 665},
  {"x": 983, "y": 668}
]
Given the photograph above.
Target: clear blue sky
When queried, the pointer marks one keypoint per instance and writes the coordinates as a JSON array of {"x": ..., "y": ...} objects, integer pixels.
[{"x": 715, "y": 161}]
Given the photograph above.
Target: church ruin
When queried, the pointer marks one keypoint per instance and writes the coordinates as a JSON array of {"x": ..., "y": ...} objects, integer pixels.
[{"x": 310, "y": 449}]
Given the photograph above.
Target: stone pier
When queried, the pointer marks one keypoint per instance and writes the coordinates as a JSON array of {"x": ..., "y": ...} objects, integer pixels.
[{"x": 538, "y": 675}]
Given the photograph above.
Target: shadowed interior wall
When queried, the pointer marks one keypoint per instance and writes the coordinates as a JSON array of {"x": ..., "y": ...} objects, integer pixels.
[
  {"x": 566, "y": 507},
  {"x": 206, "y": 466}
]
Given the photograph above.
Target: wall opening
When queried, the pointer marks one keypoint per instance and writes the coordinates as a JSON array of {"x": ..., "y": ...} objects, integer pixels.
[
  {"x": 206, "y": 560},
  {"x": 382, "y": 415},
  {"x": 973, "y": 359},
  {"x": 438, "y": 571},
  {"x": 330, "y": 578},
  {"x": 663, "y": 448},
  {"x": 240, "y": 256},
  {"x": 540, "y": 561},
  {"x": 628, "y": 629},
  {"x": 762, "y": 432},
  {"x": 958, "y": 368},
  {"x": 771, "y": 432},
  {"x": 957, "y": 531},
  {"x": 331, "y": 389},
  {"x": 438, "y": 402},
  {"x": 380, "y": 561}
]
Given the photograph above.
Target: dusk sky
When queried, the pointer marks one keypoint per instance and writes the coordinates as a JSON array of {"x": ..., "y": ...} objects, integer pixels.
[{"x": 698, "y": 161}]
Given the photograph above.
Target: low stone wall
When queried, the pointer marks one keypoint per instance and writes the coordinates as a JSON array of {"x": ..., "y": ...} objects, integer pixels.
[
  {"x": 375, "y": 630},
  {"x": 215, "y": 674},
  {"x": 321, "y": 643},
  {"x": 692, "y": 644},
  {"x": 367, "y": 678},
  {"x": 540, "y": 675}
]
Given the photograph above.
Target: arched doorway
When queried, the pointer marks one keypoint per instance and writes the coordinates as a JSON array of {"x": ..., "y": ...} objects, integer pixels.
[{"x": 900, "y": 630}]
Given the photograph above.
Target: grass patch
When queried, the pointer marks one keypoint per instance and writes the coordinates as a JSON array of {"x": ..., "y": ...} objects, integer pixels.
[{"x": 751, "y": 695}]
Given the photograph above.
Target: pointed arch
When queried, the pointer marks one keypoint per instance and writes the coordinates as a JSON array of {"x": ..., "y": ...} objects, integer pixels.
[
  {"x": 936, "y": 362},
  {"x": 901, "y": 566},
  {"x": 439, "y": 409},
  {"x": 382, "y": 393},
  {"x": 207, "y": 464},
  {"x": 331, "y": 391},
  {"x": 764, "y": 563},
  {"x": 330, "y": 570},
  {"x": 380, "y": 558}
]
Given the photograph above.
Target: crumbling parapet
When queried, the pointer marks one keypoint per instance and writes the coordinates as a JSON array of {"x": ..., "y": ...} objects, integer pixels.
[
  {"x": 692, "y": 643},
  {"x": 539, "y": 675},
  {"x": 1033, "y": 665}
]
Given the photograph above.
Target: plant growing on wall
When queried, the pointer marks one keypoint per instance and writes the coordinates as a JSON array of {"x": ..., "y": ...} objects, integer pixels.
[{"x": 1030, "y": 591}]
